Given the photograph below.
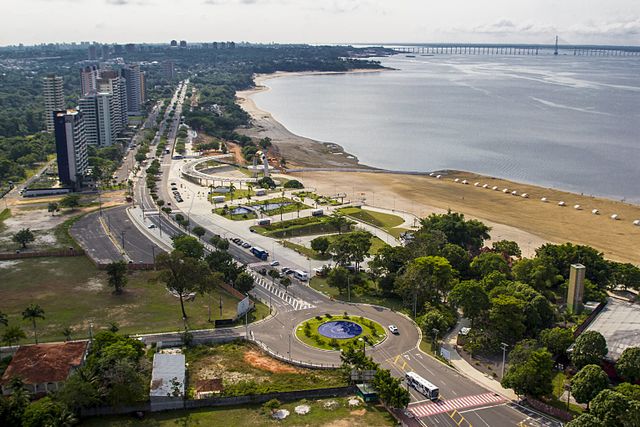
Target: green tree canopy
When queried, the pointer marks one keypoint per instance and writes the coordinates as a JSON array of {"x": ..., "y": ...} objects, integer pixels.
[
  {"x": 610, "y": 408},
  {"x": 471, "y": 297},
  {"x": 117, "y": 273},
  {"x": 189, "y": 246},
  {"x": 199, "y": 231},
  {"x": 588, "y": 382},
  {"x": 24, "y": 237},
  {"x": 338, "y": 278},
  {"x": 506, "y": 317},
  {"x": 244, "y": 282},
  {"x": 320, "y": 244},
  {"x": 425, "y": 279},
  {"x": 628, "y": 365},
  {"x": 532, "y": 377},
  {"x": 468, "y": 234},
  {"x": 507, "y": 247},
  {"x": 557, "y": 340},
  {"x": 489, "y": 262},
  {"x": 589, "y": 349},
  {"x": 584, "y": 420},
  {"x": 537, "y": 272}
]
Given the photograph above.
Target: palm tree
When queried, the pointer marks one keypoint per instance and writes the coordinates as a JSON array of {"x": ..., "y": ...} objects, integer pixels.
[
  {"x": 232, "y": 190},
  {"x": 67, "y": 333},
  {"x": 33, "y": 312},
  {"x": 12, "y": 335}
]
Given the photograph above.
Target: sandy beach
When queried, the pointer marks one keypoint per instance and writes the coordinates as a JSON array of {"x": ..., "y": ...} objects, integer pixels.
[{"x": 528, "y": 221}]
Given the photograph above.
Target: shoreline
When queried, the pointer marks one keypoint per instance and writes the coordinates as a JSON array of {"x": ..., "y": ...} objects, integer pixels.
[{"x": 528, "y": 221}]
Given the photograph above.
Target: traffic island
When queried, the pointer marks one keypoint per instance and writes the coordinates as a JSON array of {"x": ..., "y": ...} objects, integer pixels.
[{"x": 336, "y": 332}]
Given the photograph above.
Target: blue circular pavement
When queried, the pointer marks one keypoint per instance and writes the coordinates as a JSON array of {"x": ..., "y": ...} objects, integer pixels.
[{"x": 340, "y": 329}]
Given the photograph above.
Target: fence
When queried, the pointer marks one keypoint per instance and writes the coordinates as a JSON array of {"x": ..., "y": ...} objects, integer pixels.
[
  {"x": 285, "y": 396},
  {"x": 286, "y": 359},
  {"x": 548, "y": 409},
  {"x": 41, "y": 254},
  {"x": 130, "y": 266}
]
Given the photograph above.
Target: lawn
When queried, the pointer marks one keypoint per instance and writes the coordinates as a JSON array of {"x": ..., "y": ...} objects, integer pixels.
[
  {"x": 245, "y": 369},
  {"x": 73, "y": 293},
  {"x": 385, "y": 221},
  {"x": 307, "y": 226},
  {"x": 5, "y": 214},
  {"x": 238, "y": 217},
  {"x": 253, "y": 415},
  {"x": 303, "y": 250},
  {"x": 292, "y": 206},
  {"x": 372, "y": 332},
  {"x": 368, "y": 294},
  {"x": 558, "y": 389},
  {"x": 376, "y": 243}
]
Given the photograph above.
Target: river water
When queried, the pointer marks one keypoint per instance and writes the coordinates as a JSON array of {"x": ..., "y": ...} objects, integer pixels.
[{"x": 566, "y": 122}]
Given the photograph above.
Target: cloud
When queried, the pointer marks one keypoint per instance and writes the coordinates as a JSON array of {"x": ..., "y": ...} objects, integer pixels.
[
  {"x": 119, "y": 2},
  {"x": 628, "y": 28}
]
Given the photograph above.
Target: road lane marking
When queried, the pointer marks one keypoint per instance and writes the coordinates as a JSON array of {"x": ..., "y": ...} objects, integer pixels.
[{"x": 433, "y": 408}]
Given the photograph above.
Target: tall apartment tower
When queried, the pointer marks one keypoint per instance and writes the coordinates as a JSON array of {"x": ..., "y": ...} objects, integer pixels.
[
  {"x": 169, "y": 71},
  {"x": 89, "y": 108},
  {"x": 71, "y": 147},
  {"x": 112, "y": 83},
  {"x": 53, "y": 99},
  {"x": 88, "y": 78},
  {"x": 135, "y": 89},
  {"x": 576, "y": 288}
]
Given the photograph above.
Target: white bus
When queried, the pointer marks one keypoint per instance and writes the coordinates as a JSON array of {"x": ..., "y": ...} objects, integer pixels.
[{"x": 423, "y": 386}]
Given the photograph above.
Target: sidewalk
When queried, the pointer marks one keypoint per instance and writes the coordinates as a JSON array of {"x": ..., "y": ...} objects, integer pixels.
[{"x": 469, "y": 371}]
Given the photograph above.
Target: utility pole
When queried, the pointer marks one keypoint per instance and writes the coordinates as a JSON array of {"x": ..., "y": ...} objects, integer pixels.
[
  {"x": 122, "y": 234},
  {"x": 221, "y": 306},
  {"x": 289, "y": 347},
  {"x": 153, "y": 253},
  {"x": 504, "y": 356}
]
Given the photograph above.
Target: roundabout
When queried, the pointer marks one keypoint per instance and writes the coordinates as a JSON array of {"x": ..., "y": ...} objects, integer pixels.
[{"x": 336, "y": 332}]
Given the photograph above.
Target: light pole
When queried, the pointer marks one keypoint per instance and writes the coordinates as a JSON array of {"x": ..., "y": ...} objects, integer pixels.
[
  {"x": 364, "y": 348},
  {"x": 504, "y": 356},
  {"x": 122, "y": 234},
  {"x": 153, "y": 253},
  {"x": 91, "y": 331},
  {"x": 289, "y": 347}
]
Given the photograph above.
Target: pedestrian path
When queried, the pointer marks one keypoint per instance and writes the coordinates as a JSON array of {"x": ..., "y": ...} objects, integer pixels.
[
  {"x": 433, "y": 408},
  {"x": 296, "y": 303}
]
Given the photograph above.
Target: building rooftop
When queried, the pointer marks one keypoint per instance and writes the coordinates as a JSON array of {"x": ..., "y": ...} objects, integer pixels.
[
  {"x": 167, "y": 368},
  {"x": 45, "y": 363},
  {"x": 619, "y": 324}
]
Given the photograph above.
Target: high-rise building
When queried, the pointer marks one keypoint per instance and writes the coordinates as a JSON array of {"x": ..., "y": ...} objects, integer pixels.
[
  {"x": 169, "y": 71},
  {"x": 88, "y": 78},
  {"x": 110, "y": 81},
  {"x": 89, "y": 108},
  {"x": 93, "y": 52},
  {"x": 183, "y": 43},
  {"x": 71, "y": 147},
  {"x": 135, "y": 89},
  {"x": 53, "y": 99},
  {"x": 173, "y": 43}
]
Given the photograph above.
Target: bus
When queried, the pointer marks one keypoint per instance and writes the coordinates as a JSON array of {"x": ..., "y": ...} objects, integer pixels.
[
  {"x": 260, "y": 253},
  {"x": 423, "y": 386},
  {"x": 301, "y": 275}
]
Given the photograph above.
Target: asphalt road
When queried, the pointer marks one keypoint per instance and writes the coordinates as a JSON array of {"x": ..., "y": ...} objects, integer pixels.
[
  {"x": 137, "y": 245},
  {"x": 90, "y": 234}
]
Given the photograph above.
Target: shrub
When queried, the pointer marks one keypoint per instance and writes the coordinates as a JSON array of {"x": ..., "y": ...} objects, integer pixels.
[
  {"x": 346, "y": 315},
  {"x": 271, "y": 405},
  {"x": 334, "y": 343},
  {"x": 328, "y": 316},
  {"x": 318, "y": 317}
]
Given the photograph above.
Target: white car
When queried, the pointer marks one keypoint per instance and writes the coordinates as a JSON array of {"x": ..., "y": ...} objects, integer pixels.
[
  {"x": 151, "y": 226},
  {"x": 274, "y": 263},
  {"x": 394, "y": 329}
]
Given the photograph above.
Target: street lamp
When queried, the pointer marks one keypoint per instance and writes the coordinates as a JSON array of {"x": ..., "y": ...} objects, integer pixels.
[
  {"x": 364, "y": 348},
  {"x": 289, "y": 347},
  {"x": 504, "y": 356},
  {"x": 91, "y": 331}
]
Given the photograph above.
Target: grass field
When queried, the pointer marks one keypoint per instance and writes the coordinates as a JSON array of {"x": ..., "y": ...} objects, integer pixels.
[
  {"x": 254, "y": 416},
  {"x": 245, "y": 369},
  {"x": 303, "y": 250},
  {"x": 4, "y": 214},
  {"x": 359, "y": 294},
  {"x": 73, "y": 293},
  {"x": 307, "y": 226},
  {"x": 372, "y": 332},
  {"x": 293, "y": 206},
  {"x": 385, "y": 221}
]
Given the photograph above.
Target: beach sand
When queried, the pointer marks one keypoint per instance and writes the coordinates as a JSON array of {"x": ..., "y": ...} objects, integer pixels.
[{"x": 530, "y": 222}]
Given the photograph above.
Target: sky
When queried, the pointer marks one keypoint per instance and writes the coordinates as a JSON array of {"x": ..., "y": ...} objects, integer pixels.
[{"x": 321, "y": 21}]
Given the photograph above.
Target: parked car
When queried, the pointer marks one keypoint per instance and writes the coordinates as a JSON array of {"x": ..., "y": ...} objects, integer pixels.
[
  {"x": 246, "y": 245},
  {"x": 286, "y": 270},
  {"x": 274, "y": 263},
  {"x": 263, "y": 271}
]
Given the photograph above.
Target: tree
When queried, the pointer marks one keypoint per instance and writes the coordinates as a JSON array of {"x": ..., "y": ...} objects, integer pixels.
[
  {"x": 320, "y": 244},
  {"x": 220, "y": 243},
  {"x": 53, "y": 208},
  {"x": 351, "y": 248},
  {"x": 70, "y": 201},
  {"x": 432, "y": 319},
  {"x": 286, "y": 282},
  {"x": 12, "y": 408},
  {"x": 24, "y": 237},
  {"x": 598, "y": 270},
  {"x": 182, "y": 274},
  {"x": 47, "y": 412},
  {"x": 507, "y": 247},
  {"x": 506, "y": 318},
  {"x": 293, "y": 183},
  {"x": 632, "y": 391},
  {"x": 584, "y": 420},
  {"x": 81, "y": 389},
  {"x": 33, "y": 312},
  {"x": 625, "y": 275},
  {"x": 12, "y": 335},
  {"x": 244, "y": 282},
  {"x": 199, "y": 231},
  {"x": 589, "y": 349},
  {"x": 557, "y": 340},
  {"x": 67, "y": 332},
  {"x": 390, "y": 389},
  {"x": 338, "y": 278},
  {"x": 468, "y": 234},
  {"x": 588, "y": 382},
  {"x": 4, "y": 320},
  {"x": 458, "y": 257},
  {"x": 274, "y": 274},
  {"x": 628, "y": 365},
  {"x": 189, "y": 246},
  {"x": 471, "y": 297},
  {"x": 609, "y": 407},
  {"x": 537, "y": 272},
  {"x": 489, "y": 262},
  {"x": 339, "y": 222},
  {"x": 425, "y": 279},
  {"x": 117, "y": 272},
  {"x": 532, "y": 377}
]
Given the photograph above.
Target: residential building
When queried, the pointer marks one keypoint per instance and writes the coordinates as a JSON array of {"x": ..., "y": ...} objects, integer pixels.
[
  {"x": 53, "y": 98},
  {"x": 110, "y": 81},
  {"x": 168, "y": 68},
  {"x": 93, "y": 52},
  {"x": 102, "y": 118},
  {"x": 135, "y": 89},
  {"x": 183, "y": 43},
  {"x": 174, "y": 43},
  {"x": 71, "y": 147},
  {"x": 44, "y": 368},
  {"x": 88, "y": 78}
]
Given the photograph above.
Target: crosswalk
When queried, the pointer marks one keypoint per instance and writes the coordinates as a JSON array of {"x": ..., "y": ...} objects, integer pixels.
[
  {"x": 279, "y": 292},
  {"x": 421, "y": 410}
]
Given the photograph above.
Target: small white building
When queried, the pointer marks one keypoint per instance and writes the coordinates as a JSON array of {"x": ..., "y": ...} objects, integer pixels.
[{"x": 167, "y": 381}]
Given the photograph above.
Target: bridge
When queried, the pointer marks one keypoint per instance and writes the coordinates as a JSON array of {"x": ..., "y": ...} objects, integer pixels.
[{"x": 516, "y": 49}]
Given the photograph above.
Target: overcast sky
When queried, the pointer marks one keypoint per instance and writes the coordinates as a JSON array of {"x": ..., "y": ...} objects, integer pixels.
[{"x": 321, "y": 21}]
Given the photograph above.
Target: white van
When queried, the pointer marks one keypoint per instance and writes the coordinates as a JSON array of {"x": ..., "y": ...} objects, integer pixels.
[{"x": 301, "y": 275}]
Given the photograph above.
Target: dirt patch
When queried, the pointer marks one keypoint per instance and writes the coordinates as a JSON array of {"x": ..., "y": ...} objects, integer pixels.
[
  {"x": 266, "y": 363},
  {"x": 8, "y": 264},
  {"x": 359, "y": 412},
  {"x": 339, "y": 423}
]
